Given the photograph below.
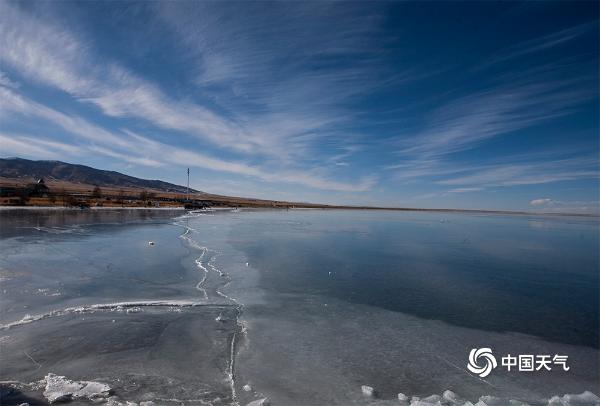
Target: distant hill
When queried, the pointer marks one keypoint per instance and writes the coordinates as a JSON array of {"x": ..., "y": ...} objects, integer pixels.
[{"x": 62, "y": 171}]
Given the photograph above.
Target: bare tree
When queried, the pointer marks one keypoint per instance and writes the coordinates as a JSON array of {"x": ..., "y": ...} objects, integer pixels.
[
  {"x": 63, "y": 195},
  {"x": 97, "y": 192}
]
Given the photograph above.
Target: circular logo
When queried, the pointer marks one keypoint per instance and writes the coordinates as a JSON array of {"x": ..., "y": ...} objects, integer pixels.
[{"x": 481, "y": 361}]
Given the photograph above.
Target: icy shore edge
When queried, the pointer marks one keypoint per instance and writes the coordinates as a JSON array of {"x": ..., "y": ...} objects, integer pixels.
[{"x": 60, "y": 389}]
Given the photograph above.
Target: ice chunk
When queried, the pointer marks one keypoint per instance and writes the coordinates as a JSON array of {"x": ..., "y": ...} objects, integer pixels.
[
  {"x": 450, "y": 396},
  {"x": 452, "y": 399},
  {"x": 60, "y": 389},
  {"x": 433, "y": 400},
  {"x": 403, "y": 399},
  {"x": 583, "y": 399},
  {"x": 114, "y": 401},
  {"x": 367, "y": 390},
  {"x": 247, "y": 388},
  {"x": 494, "y": 401}
]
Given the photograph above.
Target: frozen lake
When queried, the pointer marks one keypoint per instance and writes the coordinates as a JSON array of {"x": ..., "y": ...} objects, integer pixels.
[{"x": 303, "y": 306}]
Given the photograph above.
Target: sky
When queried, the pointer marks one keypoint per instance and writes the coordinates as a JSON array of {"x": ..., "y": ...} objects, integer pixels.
[{"x": 409, "y": 104}]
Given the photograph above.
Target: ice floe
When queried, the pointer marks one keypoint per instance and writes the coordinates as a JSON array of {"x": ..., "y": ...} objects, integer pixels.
[{"x": 60, "y": 389}]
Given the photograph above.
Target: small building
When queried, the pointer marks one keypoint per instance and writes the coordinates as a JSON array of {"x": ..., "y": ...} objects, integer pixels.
[{"x": 38, "y": 189}]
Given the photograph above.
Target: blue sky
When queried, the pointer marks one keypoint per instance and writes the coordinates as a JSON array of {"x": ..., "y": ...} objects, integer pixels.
[{"x": 429, "y": 104}]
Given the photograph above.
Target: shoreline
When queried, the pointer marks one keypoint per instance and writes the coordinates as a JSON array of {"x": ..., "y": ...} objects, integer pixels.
[{"x": 315, "y": 207}]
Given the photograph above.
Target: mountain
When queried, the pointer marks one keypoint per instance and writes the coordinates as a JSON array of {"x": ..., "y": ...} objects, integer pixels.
[{"x": 62, "y": 171}]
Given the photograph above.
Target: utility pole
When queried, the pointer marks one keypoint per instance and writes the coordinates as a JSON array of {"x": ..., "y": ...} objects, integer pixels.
[{"x": 187, "y": 191}]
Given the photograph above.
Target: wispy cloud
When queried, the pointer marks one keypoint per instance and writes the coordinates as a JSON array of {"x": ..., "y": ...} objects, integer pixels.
[
  {"x": 5, "y": 81},
  {"x": 502, "y": 175},
  {"x": 137, "y": 149},
  {"x": 514, "y": 100},
  {"x": 283, "y": 70},
  {"x": 309, "y": 94},
  {"x": 49, "y": 54},
  {"x": 12, "y": 103},
  {"x": 143, "y": 151},
  {"x": 465, "y": 122},
  {"x": 175, "y": 155},
  {"x": 54, "y": 56},
  {"x": 539, "y": 44},
  {"x": 266, "y": 110},
  {"x": 465, "y": 190},
  {"x": 33, "y": 147}
]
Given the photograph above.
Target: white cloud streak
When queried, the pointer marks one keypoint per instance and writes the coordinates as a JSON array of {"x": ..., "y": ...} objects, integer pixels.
[
  {"x": 540, "y": 44},
  {"x": 518, "y": 174},
  {"x": 147, "y": 151},
  {"x": 49, "y": 54},
  {"x": 466, "y": 122},
  {"x": 53, "y": 56},
  {"x": 19, "y": 145},
  {"x": 174, "y": 155},
  {"x": 522, "y": 100}
]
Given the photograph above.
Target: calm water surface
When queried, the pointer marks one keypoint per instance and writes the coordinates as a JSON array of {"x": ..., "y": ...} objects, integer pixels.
[{"x": 536, "y": 276}]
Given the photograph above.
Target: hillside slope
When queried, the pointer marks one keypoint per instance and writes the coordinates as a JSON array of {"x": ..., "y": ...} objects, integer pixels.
[{"x": 62, "y": 171}]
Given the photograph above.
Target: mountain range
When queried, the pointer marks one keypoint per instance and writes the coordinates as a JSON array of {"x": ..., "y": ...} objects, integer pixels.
[{"x": 25, "y": 169}]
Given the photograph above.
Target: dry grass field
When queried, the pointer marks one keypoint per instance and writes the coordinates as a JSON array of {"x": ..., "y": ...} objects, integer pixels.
[{"x": 62, "y": 193}]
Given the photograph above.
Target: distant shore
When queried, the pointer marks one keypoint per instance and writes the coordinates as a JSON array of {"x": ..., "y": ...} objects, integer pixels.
[
  {"x": 53, "y": 193},
  {"x": 307, "y": 207}
]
